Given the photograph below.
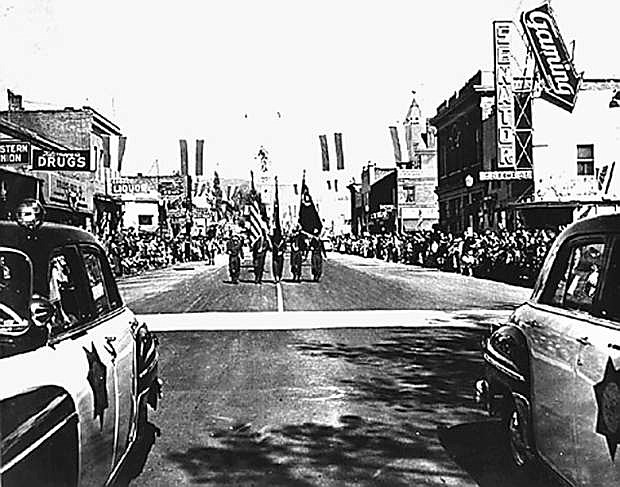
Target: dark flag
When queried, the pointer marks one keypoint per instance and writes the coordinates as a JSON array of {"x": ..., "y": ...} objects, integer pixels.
[
  {"x": 309, "y": 219},
  {"x": 183, "y": 144},
  {"x": 615, "y": 100},
  {"x": 122, "y": 141},
  {"x": 199, "y": 156},
  {"x": 277, "y": 228},
  {"x": 324, "y": 152},
  {"x": 339, "y": 154}
]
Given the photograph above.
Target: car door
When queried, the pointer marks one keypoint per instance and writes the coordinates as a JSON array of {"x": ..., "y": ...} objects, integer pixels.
[
  {"x": 114, "y": 328},
  {"x": 78, "y": 346},
  {"x": 597, "y": 391},
  {"x": 554, "y": 325}
]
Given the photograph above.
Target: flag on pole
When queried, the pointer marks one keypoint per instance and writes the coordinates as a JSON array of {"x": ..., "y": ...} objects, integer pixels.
[
  {"x": 324, "y": 152},
  {"x": 309, "y": 219},
  {"x": 106, "y": 150},
  {"x": 339, "y": 154},
  {"x": 183, "y": 145},
  {"x": 199, "y": 156},
  {"x": 256, "y": 212},
  {"x": 122, "y": 142},
  {"x": 277, "y": 228},
  {"x": 396, "y": 143}
]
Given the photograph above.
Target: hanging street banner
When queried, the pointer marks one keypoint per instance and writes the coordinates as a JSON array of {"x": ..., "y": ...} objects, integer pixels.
[
  {"x": 504, "y": 96},
  {"x": 61, "y": 160},
  {"x": 552, "y": 58},
  {"x": 14, "y": 153}
]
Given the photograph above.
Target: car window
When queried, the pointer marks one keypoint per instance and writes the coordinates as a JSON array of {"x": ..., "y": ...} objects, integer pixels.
[
  {"x": 101, "y": 283},
  {"x": 65, "y": 292},
  {"x": 15, "y": 281},
  {"x": 96, "y": 283},
  {"x": 575, "y": 276},
  {"x": 610, "y": 292}
]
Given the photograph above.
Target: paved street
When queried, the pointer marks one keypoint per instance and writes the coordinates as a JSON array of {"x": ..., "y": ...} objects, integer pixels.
[{"x": 321, "y": 394}]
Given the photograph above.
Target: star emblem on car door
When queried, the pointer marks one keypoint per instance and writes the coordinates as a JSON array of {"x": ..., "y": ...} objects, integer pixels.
[
  {"x": 607, "y": 394},
  {"x": 97, "y": 378}
]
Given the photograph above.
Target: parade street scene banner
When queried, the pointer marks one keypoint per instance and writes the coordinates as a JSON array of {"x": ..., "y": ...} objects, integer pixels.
[{"x": 552, "y": 58}]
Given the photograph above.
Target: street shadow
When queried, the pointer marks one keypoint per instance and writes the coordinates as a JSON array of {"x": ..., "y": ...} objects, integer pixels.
[
  {"x": 481, "y": 449},
  {"x": 413, "y": 387},
  {"x": 138, "y": 455},
  {"x": 412, "y": 369},
  {"x": 357, "y": 451}
]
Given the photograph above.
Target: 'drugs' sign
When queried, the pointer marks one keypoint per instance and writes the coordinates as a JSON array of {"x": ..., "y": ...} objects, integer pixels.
[{"x": 61, "y": 160}]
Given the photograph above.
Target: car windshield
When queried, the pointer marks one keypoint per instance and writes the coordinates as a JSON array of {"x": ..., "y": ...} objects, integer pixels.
[{"x": 15, "y": 278}]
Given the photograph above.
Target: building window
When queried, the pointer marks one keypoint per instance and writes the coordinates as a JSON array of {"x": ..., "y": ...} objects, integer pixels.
[
  {"x": 145, "y": 219},
  {"x": 409, "y": 194},
  {"x": 585, "y": 160}
]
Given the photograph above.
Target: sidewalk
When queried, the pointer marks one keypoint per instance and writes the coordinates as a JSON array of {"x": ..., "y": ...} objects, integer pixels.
[{"x": 220, "y": 260}]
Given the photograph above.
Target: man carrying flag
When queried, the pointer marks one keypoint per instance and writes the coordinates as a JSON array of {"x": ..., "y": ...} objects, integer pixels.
[
  {"x": 258, "y": 232},
  {"x": 311, "y": 226},
  {"x": 309, "y": 219},
  {"x": 277, "y": 242}
]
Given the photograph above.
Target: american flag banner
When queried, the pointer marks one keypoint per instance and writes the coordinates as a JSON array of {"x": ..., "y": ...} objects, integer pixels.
[{"x": 256, "y": 213}]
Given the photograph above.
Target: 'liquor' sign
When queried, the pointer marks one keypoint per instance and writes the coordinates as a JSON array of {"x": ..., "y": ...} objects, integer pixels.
[{"x": 552, "y": 58}]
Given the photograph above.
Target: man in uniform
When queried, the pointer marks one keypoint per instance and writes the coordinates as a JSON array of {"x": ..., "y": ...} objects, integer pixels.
[
  {"x": 278, "y": 246},
  {"x": 259, "y": 250},
  {"x": 234, "y": 249},
  {"x": 298, "y": 247},
  {"x": 317, "y": 250}
]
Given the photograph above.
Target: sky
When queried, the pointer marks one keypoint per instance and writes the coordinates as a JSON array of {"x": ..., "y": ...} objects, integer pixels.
[{"x": 222, "y": 70}]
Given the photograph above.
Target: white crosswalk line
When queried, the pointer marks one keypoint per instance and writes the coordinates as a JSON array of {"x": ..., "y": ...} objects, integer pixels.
[{"x": 296, "y": 320}]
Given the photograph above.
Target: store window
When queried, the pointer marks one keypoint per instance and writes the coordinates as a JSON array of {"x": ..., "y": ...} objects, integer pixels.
[
  {"x": 585, "y": 160},
  {"x": 409, "y": 194},
  {"x": 145, "y": 219}
]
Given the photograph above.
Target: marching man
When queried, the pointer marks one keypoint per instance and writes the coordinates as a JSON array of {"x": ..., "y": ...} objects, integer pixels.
[{"x": 234, "y": 249}]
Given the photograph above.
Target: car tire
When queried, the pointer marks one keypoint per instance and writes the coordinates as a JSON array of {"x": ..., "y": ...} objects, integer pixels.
[{"x": 519, "y": 433}]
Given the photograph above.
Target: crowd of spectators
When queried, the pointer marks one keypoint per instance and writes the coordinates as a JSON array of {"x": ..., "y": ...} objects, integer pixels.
[
  {"x": 509, "y": 256},
  {"x": 131, "y": 252}
]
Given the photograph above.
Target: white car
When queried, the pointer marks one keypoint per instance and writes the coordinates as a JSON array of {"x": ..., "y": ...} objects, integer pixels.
[
  {"x": 78, "y": 370},
  {"x": 553, "y": 372}
]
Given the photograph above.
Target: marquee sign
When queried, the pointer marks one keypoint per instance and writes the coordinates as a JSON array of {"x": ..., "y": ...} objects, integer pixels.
[
  {"x": 552, "y": 58},
  {"x": 14, "y": 153},
  {"x": 167, "y": 186},
  {"x": 504, "y": 96},
  {"x": 61, "y": 160},
  {"x": 505, "y": 175}
]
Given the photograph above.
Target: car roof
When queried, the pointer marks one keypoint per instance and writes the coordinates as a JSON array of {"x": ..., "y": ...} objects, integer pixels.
[
  {"x": 597, "y": 224},
  {"x": 48, "y": 235}
]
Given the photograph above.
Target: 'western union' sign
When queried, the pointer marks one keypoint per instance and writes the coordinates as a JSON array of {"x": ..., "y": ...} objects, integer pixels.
[{"x": 14, "y": 153}]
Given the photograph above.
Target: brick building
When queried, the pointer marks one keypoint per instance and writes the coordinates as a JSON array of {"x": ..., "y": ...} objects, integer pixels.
[
  {"x": 461, "y": 138},
  {"x": 81, "y": 198}
]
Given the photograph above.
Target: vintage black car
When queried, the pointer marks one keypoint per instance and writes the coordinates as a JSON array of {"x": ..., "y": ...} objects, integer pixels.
[
  {"x": 78, "y": 370},
  {"x": 553, "y": 372}
]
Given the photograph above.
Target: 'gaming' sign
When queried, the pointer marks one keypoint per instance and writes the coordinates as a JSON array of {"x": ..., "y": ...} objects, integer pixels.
[{"x": 552, "y": 58}]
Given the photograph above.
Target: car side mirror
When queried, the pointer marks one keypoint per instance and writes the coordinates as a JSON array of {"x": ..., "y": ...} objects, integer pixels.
[{"x": 42, "y": 311}]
